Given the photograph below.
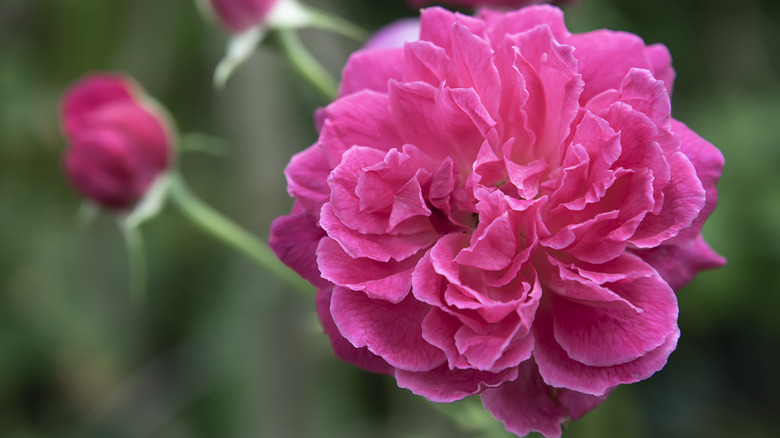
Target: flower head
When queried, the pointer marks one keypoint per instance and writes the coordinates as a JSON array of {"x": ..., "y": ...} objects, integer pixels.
[
  {"x": 503, "y": 208},
  {"x": 119, "y": 142},
  {"x": 240, "y": 15}
]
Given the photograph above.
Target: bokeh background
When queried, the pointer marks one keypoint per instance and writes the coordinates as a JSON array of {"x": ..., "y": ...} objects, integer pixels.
[{"x": 220, "y": 349}]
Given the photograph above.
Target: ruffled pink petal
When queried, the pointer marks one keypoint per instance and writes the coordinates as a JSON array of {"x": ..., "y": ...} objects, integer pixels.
[
  {"x": 471, "y": 66},
  {"x": 684, "y": 198},
  {"x": 554, "y": 86},
  {"x": 560, "y": 370},
  {"x": 661, "y": 60},
  {"x": 389, "y": 330},
  {"x": 523, "y": 20},
  {"x": 598, "y": 336},
  {"x": 605, "y": 58},
  {"x": 678, "y": 264},
  {"x": 379, "y": 247},
  {"x": 307, "y": 175},
  {"x": 358, "y": 119},
  {"x": 709, "y": 162},
  {"x": 425, "y": 62},
  {"x": 341, "y": 347},
  {"x": 388, "y": 281},
  {"x": 294, "y": 239},
  {"x": 527, "y": 404},
  {"x": 444, "y": 385},
  {"x": 436, "y": 26},
  {"x": 371, "y": 70}
]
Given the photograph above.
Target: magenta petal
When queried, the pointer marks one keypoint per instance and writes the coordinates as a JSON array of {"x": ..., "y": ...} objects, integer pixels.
[
  {"x": 389, "y": 281},
  {"x": 678, "y": 264},
  {"x": 425, "y": 62},
  {"x": 294, "y": 239},
  {"x": 371, "y": 70},
  {"x": 661, "y": 61},
  {"x": 307, "y": 175},
  {"x": 341, "y": 347},
  {"x": 380, "y": 247},
  {"x": 709, "y": 162},
  {"x": 605, "y": 58},
  {"x": 527, "y": 404},
  {"x": 684, "y": 198},
  {"x": 391, "y": 331},
  {"x": 598, "y": 336},
  {"x": 559, "y": 370},
  {"x": 444, "y": 385}
]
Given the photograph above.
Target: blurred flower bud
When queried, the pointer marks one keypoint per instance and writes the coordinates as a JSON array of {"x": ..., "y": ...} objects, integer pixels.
[
  {"x": 240, "y": 15},
  {"x": 395, "y": 34},
  {"x": 119, "y": 141}
]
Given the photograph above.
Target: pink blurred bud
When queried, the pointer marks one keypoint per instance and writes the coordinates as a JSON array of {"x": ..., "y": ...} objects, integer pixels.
[
  {"x": 119, "y": 143},
  {"x": 395, "y": 34},
  {"x": 240, "y": 15}
]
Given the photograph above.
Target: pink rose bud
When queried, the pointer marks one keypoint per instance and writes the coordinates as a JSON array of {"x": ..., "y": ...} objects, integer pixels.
[
  {"x": 240, "y": 15},
  {"x": 119, "y": 143}
]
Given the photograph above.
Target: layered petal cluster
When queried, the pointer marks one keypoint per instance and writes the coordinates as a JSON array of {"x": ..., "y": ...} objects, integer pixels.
[
  {"x": 119, "y": 141},
  {"x": 503, "y": 208}
]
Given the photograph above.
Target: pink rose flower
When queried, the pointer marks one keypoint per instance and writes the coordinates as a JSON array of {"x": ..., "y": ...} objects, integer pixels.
[
  {"x": 240, "y": 15},
  {"x": 503, "y": 208},
  {"x": 119, "y": 142}
]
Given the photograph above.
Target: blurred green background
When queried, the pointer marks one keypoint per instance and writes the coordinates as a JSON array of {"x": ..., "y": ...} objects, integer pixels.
[{"x": 220, "y": 349}]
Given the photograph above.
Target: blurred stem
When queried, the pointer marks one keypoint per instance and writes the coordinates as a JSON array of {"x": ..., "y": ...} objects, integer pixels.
[
  {"x": 324, "y": 20},
  {"x": 225, "y": 230},
  {"x": 305, "y": 64},
  {"x": 135, "y": 253}
]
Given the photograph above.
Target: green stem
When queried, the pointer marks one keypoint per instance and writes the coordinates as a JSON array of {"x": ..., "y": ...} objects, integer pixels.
[
  {"x": 135, "y": 253},
  {"x": 324, "y": 20},
  {"x": 305, "y": 64},
  {"x": 223, "y": 229}
]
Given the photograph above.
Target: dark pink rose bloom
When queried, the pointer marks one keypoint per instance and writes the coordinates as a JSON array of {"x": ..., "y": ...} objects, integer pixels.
[
  {"x": 119, "y": 142},
  {"x": 503, "y": 208},
  {"x": 240, "y": 15}
]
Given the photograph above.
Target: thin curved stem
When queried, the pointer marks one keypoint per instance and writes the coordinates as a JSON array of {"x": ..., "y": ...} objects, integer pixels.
[
  {"x": 229, "y": 233},
  {"x": 305, "y": 64},
  {"x": 135, "y": 254}
]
